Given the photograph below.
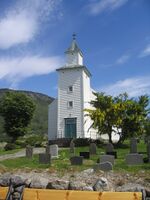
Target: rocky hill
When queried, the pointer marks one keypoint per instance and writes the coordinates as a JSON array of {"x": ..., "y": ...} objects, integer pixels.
[{"x": 39, "y": 123}]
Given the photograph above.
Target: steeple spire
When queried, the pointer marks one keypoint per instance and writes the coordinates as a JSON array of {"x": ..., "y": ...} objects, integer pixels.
[
  {"x": 74, "y": 36},
  {"x": 74, "y": 54}
]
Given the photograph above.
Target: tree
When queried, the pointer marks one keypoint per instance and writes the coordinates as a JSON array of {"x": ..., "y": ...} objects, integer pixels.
[
  {"x": 147, "y": 126},
  {"x": 105, "y": 115},
  {"x": 17, "y": 110},
  {"x": 134, "y": 115},
  {"x": 113, "y": 113}
]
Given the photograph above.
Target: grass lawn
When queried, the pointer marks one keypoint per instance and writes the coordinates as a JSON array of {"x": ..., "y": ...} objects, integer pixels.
[
  {"x": 62, "y": 164},
  {"x": 3, "y": 152}
]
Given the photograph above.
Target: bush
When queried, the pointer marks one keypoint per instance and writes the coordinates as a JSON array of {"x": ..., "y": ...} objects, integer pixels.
[
  {"x": 10, "y": 146},
  {"x": 32, "y": 140},
  {"x": 81, "y": 142}
]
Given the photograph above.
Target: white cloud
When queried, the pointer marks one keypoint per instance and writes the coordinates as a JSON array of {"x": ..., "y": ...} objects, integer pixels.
[
  {"x": 123, "y": 59},
  {"x": 133, "y": 86},
  {"x": 22, "y": 22},
  {"x": 15, "y": 70},
  {"x": 105, "y": 5},
  {"x": 145, "y": 52}
]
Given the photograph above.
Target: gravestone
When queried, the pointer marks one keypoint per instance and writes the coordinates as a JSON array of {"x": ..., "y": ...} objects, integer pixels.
[
  {"x": 133, "y": 145},
  {"x": 148, "y": 151},
  {"x": 134, "y": 159},
  {"x": 44, "y": 158},
  {"x": 85, "y": 155},
  {"x": 114, "y": 153},
  {"x": 109, "y": 148},
  {"x": 54, "y": 150},
  {"x": 105, "y": 166},
  {"x": 76, "y": 160},
  {"x": 92, "y": 149},
  {"x": 29, "y": 152},
  {"x": 107, "y": 158},
  {"x": 47, "y": 149},
  {"x": 72, "y": 147}
]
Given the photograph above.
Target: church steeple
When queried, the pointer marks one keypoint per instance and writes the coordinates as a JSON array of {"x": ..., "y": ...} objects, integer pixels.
[{"x": 74, "y": 55}]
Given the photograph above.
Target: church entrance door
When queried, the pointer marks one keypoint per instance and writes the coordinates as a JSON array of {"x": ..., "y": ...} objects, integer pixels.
[{"x": 70, "y": 127}]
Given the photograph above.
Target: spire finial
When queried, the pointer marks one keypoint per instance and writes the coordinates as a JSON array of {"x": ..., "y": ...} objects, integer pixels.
[{"x": 74, "y": 36}]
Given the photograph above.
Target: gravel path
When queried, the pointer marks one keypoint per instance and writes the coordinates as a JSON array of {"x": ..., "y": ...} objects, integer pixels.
[{"x": 21, "y": 154}]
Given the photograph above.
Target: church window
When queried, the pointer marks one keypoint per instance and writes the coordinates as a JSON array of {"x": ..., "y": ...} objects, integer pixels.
[
  {"x": 70, "y": 88},
  {"x": 70, "y": 104}
]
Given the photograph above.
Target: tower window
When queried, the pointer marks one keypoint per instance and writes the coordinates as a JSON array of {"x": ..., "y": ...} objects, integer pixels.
[
  {"x": 70, "y": 104},
  {"x": 70, "y": 88}
]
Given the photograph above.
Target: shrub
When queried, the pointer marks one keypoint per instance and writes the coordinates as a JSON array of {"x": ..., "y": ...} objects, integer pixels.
[
  {"x": 10, "y": 146},
  {"x": 81, "y": 142},
  {"x": 32, "y": 140}
]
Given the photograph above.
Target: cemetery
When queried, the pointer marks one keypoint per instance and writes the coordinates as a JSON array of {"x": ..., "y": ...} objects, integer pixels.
[
  {"x": 87, "y": 168},
  {"x": 129, "y": 157}
]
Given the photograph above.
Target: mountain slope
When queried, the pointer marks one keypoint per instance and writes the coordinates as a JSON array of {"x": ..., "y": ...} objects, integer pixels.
[{"x": 39, "y": 124}]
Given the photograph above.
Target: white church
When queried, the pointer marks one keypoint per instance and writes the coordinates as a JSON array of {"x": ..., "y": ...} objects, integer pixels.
[{"x": 66, "y": 115}]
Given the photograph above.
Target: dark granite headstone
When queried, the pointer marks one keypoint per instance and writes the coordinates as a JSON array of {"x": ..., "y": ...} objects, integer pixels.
[
  {"x": 85, "y": 155},
  {"x": 76, "y": 160},
  {"x": 114, "y": 153},
  {"x": 44, "y": 158},
  {"x": 29, "y": 152}
]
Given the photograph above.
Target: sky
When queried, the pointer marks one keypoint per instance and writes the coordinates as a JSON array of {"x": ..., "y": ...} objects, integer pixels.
[{"x": 114, "y": 36}]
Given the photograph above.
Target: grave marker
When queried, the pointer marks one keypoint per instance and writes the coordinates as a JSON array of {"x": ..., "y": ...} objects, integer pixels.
[
  {"x": 92, "y": 149},
  {"x": 109, "y": 148},
  {"x": 44, "y": 158},
  {"x": 134, "y": 159},
  {"x": 76, "y": 160},
  {"x": 107, "y": 158},
  {"x": 29, "y": 152},
  {"x": 85, "y": 155},
  {"x": 72, "y": 147},
  {"x": 54, "y": 150},
  {"x": 105, "y": 166},
  {"x": 133, "y": 145}
]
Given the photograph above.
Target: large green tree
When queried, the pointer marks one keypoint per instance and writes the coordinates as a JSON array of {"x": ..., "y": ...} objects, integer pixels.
[
  {"x": 147, "y": 126},
  {"x": 119, "y": 113},
  {"x": 134, "y": 114},
  {"x": 17, "y": 110},
  {"x": 105, "y": 114}
]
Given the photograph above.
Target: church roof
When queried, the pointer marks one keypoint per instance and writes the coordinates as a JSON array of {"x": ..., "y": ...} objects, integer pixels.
[
  {"x": 76, "y": 67},
  {"x": 74, "y": 48}
]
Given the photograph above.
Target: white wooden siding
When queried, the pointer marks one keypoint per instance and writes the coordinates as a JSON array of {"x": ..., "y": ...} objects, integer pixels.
[
  {"x": 74, "y": 59},
  {"x": 66, "y": 78},
  {"x": 88, "y": 96},
  {"x": 52, "y": 120}
]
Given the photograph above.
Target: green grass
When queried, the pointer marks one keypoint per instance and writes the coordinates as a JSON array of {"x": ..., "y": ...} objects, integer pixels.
[
  {"x": 3, "y": 152},
  {"x": 62, "y": 164}
]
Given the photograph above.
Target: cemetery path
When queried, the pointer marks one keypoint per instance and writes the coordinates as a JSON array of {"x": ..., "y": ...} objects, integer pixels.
[{"x": 20, "y": 154}]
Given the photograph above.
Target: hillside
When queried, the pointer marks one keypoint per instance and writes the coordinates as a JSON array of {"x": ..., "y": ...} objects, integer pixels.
[{"x": 39, "y": 124}]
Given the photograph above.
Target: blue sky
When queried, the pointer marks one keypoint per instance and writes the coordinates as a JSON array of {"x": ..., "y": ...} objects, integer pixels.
[{"x": 114, "y": 36}]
